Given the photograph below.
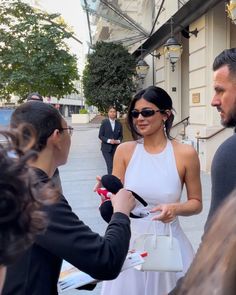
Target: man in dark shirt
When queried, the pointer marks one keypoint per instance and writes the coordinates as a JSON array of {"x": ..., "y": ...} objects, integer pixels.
[
  {"x": 224, "y": 161},
  {"x": 223, "y": 169},
  {"x": 36, "y": 272}
]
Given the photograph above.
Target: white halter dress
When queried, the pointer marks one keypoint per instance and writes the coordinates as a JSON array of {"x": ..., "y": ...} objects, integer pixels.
[{"x": 155, "y": 178}]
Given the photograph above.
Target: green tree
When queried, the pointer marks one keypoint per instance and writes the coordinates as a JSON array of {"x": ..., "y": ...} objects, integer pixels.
[
  {"x": 108, "y": 76},
  {"x": 33, "y": 52}
]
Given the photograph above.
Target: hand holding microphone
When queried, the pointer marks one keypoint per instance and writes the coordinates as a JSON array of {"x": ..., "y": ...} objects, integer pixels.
[{"x": 122, "y": 202}]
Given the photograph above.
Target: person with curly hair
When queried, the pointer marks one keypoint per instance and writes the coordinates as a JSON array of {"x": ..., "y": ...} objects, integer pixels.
[{"x": 21, "y": 215}]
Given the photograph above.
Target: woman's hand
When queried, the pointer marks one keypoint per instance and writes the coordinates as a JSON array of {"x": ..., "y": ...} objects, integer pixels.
[
  {"x": 167, "y": 212},
  {"x": 98, "y": 183}
]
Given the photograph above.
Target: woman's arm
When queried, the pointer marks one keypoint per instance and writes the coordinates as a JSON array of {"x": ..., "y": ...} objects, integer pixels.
[
  {"x": 121, "y": 159},
  {"x": 70, "y": 239}
]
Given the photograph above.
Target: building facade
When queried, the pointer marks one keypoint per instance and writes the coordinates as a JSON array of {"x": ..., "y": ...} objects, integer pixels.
[
  {"x": 191, "y": 84},
  {"x": 204, "y": 29}
]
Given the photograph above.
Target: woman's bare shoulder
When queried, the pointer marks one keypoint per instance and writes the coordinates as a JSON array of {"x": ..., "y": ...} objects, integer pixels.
[
  {"x": 187, "y": 159},
  {"x": 126, "y": 146},
  {"x": 122, "y": 157},
  {"x": 183, "y": 149}
]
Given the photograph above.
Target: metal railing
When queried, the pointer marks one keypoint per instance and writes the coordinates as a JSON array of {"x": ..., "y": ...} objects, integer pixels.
[
  {"x": 182, "y": 121},
  {"x": 207, "y": 137},
  {"x": 185, "y": 122}
]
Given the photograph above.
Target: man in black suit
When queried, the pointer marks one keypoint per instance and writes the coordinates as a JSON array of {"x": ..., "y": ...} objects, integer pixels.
[{"x": 111, "y": 135}]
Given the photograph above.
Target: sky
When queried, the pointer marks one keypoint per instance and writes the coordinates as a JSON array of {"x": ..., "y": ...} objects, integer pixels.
[{"x": 73, "y": 15}]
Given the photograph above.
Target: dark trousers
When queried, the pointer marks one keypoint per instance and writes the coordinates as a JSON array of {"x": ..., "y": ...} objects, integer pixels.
[{"x": 108, "y": 156}]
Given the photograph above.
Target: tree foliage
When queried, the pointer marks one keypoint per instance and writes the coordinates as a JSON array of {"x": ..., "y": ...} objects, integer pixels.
[
  {"x": 33, "y": 52},
  {"x": 108, "y": 76}
]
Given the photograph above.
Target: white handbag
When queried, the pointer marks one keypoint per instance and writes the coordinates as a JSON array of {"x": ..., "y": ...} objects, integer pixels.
[{"x": 163, "y": 252}]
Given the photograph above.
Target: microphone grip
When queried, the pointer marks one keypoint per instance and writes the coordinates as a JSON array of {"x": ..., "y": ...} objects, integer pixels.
[{"x": 137, "y": 197}]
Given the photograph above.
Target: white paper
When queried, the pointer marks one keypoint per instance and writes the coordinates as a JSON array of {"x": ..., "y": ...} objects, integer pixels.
[{"x": 71, "y": 277}]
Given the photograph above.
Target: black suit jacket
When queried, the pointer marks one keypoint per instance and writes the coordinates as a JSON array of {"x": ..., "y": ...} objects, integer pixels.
[
  {"x": 105, "y": 133},
  {"x": 36, "y": 272}
]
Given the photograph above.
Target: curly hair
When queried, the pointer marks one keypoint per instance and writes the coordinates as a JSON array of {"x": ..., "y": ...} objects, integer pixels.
[{"x": 21, "y": 198}]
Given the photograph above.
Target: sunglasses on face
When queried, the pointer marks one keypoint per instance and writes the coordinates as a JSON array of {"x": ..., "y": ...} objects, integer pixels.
[{"x": 145, "y": 113}]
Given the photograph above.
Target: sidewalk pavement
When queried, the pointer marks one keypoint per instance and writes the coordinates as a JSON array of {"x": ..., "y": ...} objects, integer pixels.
[{"x": 78, "y": 179}]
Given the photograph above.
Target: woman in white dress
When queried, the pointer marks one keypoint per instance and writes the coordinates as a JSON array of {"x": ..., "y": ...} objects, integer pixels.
[{"x": 156, "y": 168}]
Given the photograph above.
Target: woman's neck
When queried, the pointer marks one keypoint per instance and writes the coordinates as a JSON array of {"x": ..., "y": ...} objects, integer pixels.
[{"x": 154, "y": 143}]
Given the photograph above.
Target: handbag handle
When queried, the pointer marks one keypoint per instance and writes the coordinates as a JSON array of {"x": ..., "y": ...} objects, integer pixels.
[
  {"x": 171, "y": 234},
  {"x": 156, "y": 234}
]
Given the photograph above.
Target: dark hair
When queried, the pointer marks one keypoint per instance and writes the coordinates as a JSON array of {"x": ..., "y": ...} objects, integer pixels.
[
  {"x": 161, "y": 99},
  {"x": 214, "y": 266},
  {"x": 112, "y": 107},
  {"x": 226, "y": 58},
  {"x": 43, "y": 117},
  {"x": 21, "y": 217},
  {"x": 30, "y": 96}
]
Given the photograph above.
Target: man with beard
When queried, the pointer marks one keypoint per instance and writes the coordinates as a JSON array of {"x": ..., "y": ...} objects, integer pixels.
[
  {"x": 223, "y": 168},
  {"x": 224, "y": 99}
]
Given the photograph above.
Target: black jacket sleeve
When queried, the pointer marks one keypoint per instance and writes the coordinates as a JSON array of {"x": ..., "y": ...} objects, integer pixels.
[
  {"x": 120, "y": 136},
  {"x": 103, "y": 133},
  {"x": 69, "y": 238}
]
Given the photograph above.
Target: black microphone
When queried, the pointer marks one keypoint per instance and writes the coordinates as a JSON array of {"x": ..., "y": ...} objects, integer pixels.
[
  {"x": 113, "y": 185},
  {"x": 106, "y": 210}
]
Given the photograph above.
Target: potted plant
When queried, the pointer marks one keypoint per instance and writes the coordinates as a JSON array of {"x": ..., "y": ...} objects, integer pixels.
[{"x": 81, "y": 118}]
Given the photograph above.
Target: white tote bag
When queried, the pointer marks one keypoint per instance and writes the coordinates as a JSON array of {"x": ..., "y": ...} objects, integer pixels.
[{"x": 163, "y": 252}]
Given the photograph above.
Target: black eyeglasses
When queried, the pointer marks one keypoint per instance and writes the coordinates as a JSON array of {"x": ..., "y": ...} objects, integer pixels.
[
  {"x": 145, "y": 113},
  {"x": 69, "y": 128}
]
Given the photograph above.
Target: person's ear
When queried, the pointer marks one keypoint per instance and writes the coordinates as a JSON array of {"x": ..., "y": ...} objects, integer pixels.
[
  {"x": 166, "y": 115},
  {"x": 168, "y": 112},
  {"x": 55, "y": 139}
]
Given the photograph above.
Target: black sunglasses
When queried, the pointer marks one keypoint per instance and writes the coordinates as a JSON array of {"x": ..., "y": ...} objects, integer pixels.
[{"x": 145, "y": 113}]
